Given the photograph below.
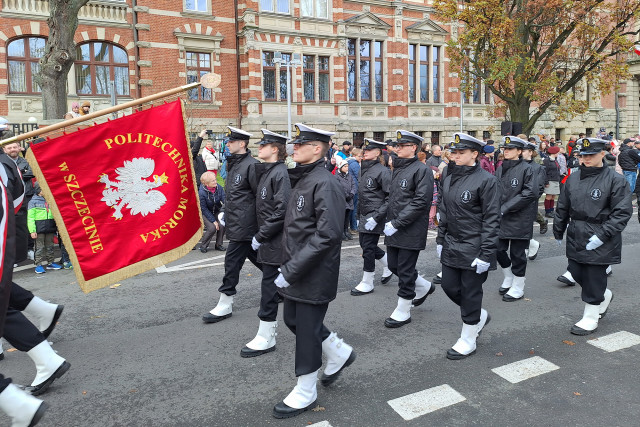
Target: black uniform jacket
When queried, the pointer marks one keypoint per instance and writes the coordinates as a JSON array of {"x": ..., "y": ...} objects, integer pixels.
[
  {"x": 313, "y": 229},
  {"x": 540, "y": 174},
  {"x": 594, "y": 201},
  {"x": 273, "y": 193},
  {"x": 12, "y": 180},
  {"x": 518, "y": 189},
  {"x": 240, "y": 209},
  {"x": 469, "y": 217},
  {"x": 373, "y": 195},
  {"x": 410, "y": 197}
]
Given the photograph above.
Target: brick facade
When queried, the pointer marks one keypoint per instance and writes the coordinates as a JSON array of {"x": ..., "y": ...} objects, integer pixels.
[{"x": 166, "y": 32}]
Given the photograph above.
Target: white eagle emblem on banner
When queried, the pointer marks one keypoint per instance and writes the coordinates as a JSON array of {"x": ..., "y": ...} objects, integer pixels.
[{"x": 132, "y": 190}]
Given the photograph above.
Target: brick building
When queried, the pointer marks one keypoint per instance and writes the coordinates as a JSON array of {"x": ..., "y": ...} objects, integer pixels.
[{"x": 366, "y": 67}]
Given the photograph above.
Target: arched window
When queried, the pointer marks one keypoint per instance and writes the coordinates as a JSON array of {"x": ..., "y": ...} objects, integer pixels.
[
  {"x": 24, "y": 55},
  {"x": 98, "y": 63}
]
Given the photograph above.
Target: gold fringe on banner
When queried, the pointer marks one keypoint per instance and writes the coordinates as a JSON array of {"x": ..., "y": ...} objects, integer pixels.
[{"x": 133, "y": 269}]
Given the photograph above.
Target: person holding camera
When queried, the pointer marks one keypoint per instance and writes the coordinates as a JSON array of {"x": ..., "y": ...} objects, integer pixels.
[{"x": 349, "y": 187}]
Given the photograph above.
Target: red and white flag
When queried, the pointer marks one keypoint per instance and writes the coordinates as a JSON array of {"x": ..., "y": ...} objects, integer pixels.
[
  {"x": 123, "y": 193},
  {"x": 636, "y": 48}
]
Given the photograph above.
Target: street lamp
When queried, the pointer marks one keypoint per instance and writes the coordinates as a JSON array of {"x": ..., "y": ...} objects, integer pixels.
[{"x": 278, "y": 59}]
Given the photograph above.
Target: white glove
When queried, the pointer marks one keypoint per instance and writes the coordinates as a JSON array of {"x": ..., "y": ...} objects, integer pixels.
[
  {"x": 389, "y": 229},
  {"x": 438, "y": 216},
  {"x": 281, "y": 282},
  {"x": 480, "y": 265},
  {"x": 370, "y": 224},
  {"x": 255, "y": 244},
  {"x": 221, "y": 218},
  {"x": 594, "y": 243},
  {"x": 559, "y": 242},
  {"x": 439, "y": 250}
]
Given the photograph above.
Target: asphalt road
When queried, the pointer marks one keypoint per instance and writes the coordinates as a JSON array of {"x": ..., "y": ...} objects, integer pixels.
[{"x": 141, "y": 355}]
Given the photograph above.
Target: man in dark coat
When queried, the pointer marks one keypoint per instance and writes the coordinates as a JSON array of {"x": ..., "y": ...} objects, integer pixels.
[
  {"x": 272, "y": 196},
  {"x": 239, "y": 219},
  {"x": 373, "y": 197},
  {"x": 594, "y": 209},
  {"x": 212, "y": 199},
  {"x": 407, "y": 224},
  {"x": 468, "y": 238},
  {"x": 518, "y": 188},
  {"x": 309, "y": 274}
]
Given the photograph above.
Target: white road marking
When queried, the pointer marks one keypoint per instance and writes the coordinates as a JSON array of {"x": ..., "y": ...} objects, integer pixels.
[
  {"x": 615, "y": 342},
  {"x": 321, "y": 424},
  {"x": 423, "y": 402},
  {"x": 525, "y": 369}
]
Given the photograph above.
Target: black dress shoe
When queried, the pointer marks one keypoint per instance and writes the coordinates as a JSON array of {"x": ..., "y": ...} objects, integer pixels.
[
  {"x": 437, "y": 280},
  {"x": 348, "y": 235},
  {"x": 385, "y": 280},
  {"x": 282, "y": 410},
  {"x": 419, "y": 301},
  {"x": 531, "y": 258},
  {"x": 579, "y": 331},
  {"x": 509, "y": 298},
  {"x": 56, "y": 316},
  {"x": 454, "y": 355},
  {"x": 204, "y": 249},
  {"x": 565, "y": 281},
  {"x": 390, "y": 323},
  {"x": 544, "y": 227},
  {"x": 248, "y": 352},
  {"x": 39, "y": 414},
  {"x": 37, "y": 390},
  {"x": 327, "y": 380},
  {"x": 357, "y": 293},
  {"x": 212, "y": 318},
  {"x": 220, "y": 248},
  {"x": 1, "y": 356},
  {"x": 503, "y": 291}
]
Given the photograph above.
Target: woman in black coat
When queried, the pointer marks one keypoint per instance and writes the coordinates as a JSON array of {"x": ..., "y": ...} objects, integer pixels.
[
  {"x": 348, "y": 185},
  {"x": 594, "y": 209}
]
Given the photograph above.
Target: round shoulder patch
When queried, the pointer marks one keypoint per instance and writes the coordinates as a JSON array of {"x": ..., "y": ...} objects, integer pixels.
[
  {"x": 300, "y": 203},
  {"x": 596, "y": 194}
]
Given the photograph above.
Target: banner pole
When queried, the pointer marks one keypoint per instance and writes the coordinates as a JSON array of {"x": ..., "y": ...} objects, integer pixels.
[{"x": 71, "y": 122}]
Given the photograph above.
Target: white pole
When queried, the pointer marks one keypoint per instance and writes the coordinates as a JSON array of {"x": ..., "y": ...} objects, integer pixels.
[{"x": 289, "y": 100}]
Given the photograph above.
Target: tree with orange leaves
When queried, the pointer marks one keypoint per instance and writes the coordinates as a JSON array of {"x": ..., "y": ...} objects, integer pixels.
[{"x": 534, "y": 54}]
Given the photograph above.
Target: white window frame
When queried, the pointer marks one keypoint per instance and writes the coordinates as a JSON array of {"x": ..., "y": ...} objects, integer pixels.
[
  {"x": 274, "y": 7},
  {"x": 207, "y": 5},
  {"x": 315, "y": 9}
]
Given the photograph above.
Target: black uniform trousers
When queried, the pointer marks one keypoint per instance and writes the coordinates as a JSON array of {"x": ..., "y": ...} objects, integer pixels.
[
  {"x": 370, "y": 250},
  {"x": 402, "y": 263},
  {"x": 464, "y": 287},
  {"x": 7, "y": 265},
  {"x": 516, "y": 258},
  {"x": 237, "y": 253},
  {"x": 306, "y": 323},
  {"x": 20, "y": 297},
  {"x": 269, "y": 295},
  {"x": 592, "y": 279}
]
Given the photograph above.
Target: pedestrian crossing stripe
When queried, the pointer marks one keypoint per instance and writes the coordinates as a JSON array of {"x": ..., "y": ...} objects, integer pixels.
[
  {"x": 524, "y": 369},
  {"x": 616, "y": 341},
  {"x": 423, "y": 402}
]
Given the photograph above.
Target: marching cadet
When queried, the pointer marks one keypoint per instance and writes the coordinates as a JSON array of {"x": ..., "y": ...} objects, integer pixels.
[
  {"x": 410, "y": 197},
  {"x": 273, "y": 192},
  {"x": 308, "y": 281},
  {"x": 239, "y": 219},
  {"x": 518, "y": 188},
  {"x": 468, "y": 238},
  {"x": 540, "y": 175},
  {"x": 594, "y": 208},
  {"x": 373, "y": 196},
  {"x": 22, "y": 408}
]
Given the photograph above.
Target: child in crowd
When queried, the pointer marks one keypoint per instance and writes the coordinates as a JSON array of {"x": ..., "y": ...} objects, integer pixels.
[{"x": 42, "y": 227}]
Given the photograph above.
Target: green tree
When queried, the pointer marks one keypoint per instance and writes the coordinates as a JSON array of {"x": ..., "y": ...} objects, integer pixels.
[
  {"x": 533, "y": 54},
  {"x": 59, "y": 55}
]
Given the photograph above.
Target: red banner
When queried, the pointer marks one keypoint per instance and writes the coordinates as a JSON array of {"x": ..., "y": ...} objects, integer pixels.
[{"x": 123, "y": 194}]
